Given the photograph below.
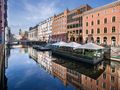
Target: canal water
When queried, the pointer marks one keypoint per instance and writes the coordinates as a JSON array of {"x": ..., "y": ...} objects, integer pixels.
[{"x": 30, "y": 69}]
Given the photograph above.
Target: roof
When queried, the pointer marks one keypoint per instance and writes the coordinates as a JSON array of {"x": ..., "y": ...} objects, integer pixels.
[
  {"x": 61, "y": 43},
  {"x": 116, "y": 3},
  {"x": 73, "y": 44},
  {"x": 91, "y": 46}
]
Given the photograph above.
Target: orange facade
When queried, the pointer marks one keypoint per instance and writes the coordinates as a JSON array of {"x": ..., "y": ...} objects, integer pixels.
[
  {"x": 102, "y": 25},
  {"x": 59, "y": 27}
]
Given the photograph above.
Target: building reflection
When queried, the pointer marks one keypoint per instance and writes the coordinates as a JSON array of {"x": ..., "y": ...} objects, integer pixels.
[
  {"x": 5, "y": 53},
  {"x": 104, "y": 76},
  {"x": 23, "y": 49}
]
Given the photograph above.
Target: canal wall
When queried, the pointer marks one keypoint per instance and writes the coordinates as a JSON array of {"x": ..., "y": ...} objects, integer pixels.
[
  {"x": 115, "y": 51},
  {"x": 2, "y": 68}
]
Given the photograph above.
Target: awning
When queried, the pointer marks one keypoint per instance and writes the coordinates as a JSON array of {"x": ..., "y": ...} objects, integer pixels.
[
  {"x": 91, "y": 46},
  {"x": 73, "y": 44},
  {"x": 61, "y": 43}
]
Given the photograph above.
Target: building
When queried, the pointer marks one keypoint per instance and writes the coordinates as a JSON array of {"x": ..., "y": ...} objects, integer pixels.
[
  {"x": 59, "y": 27},
  {"x": 45, "y": 61},
  {"x": 75, "y": 23},
  {"x": 3, "y": 19},
  {"x": 23, "y": 35},
  {"x": 45, "y": 30},
  {"x": 7, "y": 35},
  {"x": 59, "y": 71},
  {"x": 33, "y": 33},
  {"x": 102, "y": 25},
  {"x": 108, "y": 80}
]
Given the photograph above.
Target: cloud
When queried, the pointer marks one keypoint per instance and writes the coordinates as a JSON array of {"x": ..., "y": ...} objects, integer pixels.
[
  {"x": 41, "y": 10},
  {"x": 28, "y": 13}
]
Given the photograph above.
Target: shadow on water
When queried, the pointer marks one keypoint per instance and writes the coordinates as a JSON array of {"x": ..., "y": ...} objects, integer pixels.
[{"x": 73, "y": 75}]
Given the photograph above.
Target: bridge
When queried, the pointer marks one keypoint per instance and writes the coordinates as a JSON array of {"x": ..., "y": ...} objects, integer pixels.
[{"x": 17, "y": 42}]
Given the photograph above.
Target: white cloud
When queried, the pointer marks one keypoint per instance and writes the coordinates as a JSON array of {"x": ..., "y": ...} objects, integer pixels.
[{"x": 40, "y": 11}]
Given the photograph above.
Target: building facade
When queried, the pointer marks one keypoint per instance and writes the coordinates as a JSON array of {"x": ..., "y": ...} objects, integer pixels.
[
  {"x": 3, "y": 19},
  {"x": 33, "y": 33},
  {"x": 59, "y": 27},
  {"x": 102, "y": 25},
  {"x": 7, "y": 35},
  {"x": 45, "y": 30},
  {"x": 75, "y": 23}
]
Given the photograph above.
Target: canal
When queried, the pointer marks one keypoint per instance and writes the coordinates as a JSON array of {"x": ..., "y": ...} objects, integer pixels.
[{"x": 30, "y": 69}]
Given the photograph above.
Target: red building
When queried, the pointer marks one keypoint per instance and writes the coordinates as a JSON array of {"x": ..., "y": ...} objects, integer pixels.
[{"x": 102, "y": 25}]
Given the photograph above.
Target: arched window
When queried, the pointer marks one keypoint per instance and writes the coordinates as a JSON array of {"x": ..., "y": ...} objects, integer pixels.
[
  {"x": 92, "y": 31},
  {"x": 98, "y": 31},
  {"x": 105, "y": 40},
  {"x": 98, "y": 22},
  {"x": 92, "y": 23},
  {"x": 105, "y": 30},
  {"x": 86, "y": 23},
  {"x": 72, "y": 39},
  {"x": 113, "y": 41},
  {"x": 105, "y": 20},
  {"x": 113, "y": 19},
  {"x": 113, "y": 29},
  {"x": 98, "y": 40},
  {"x": 86, "y": 31}
]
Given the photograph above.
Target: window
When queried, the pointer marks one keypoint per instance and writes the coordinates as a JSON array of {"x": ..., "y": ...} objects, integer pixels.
[
  {"x": 68, "y": 26},
  {"x": 104, "y": 76},
  {"x": 113, "y": 69},
  {"x": 113, "y": 19},
  {"x": 113, "y": 29},
  {"x": 98, "y": 31},
  {"x": 92, "y": 31},
  {"x": 86, "y": 23},
  {"x": 92, "y": 16},
  {"x": 105, "y": 40},
  {"x": 92, "y": 23},
  {"x": 105, "y": 30},
  {"x": 98, "y": 14},
  {"x": 86, "y": 17},
  {"x": 113, "y": 41},
  {"x": 105, "y": 20},
  {"x": 80, "y": 31},
  {"x": 77, "y": 25},
  {"x": 98, "y": 40},
  {"x": 112, "y": 79},
  {"x": 86, "y": 31},
  {"x": 97, "y": 82},
  {"x": 112, "y": 88},
  {"x": 98, "y": 22},
  {"x": 76, "y": 31},
  {"x": 73, "y": 25},
  {"x": 104, "y": 85}
]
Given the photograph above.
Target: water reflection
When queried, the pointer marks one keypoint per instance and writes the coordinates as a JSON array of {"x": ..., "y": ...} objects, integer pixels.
[{"x": 104, "y": 76}]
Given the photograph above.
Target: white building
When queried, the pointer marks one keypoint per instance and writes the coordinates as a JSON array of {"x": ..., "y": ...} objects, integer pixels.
[
  {"x": 33, "y": 33},
  {"x": 45, "y": 30}
]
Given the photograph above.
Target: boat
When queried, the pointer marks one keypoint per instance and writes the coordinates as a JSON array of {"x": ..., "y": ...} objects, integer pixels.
[
  {"x": 41, "y": 48},
  {"x": 88, "y": 53}
]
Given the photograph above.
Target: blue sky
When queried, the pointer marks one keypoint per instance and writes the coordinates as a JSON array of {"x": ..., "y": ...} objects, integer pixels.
[{"x": 26, "y": 13}]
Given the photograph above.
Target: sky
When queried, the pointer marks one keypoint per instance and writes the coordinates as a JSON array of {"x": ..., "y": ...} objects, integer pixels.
[{"x": 23, "y": 14}]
